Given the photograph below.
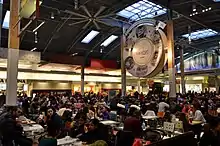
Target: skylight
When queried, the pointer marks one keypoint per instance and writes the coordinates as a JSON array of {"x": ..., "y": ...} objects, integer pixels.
[
  {"x": 1, "y": 1},
  {"x": 142, "y": 9},
  {"x": 109, "y": 40},
  {"x": 201, "y": 34},
  {"x": 90, "y": 37},
  {"x": 6, "y": 20},
  {"x": 216, "y": 0}
]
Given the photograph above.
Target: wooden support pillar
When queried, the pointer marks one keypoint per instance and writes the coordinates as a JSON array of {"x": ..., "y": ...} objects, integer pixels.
[
  {"x": 13, "y": 53},
  {"x": 123, "y": 69},
  {"x": 182, "y": 71},
  {"x": 82, "y": 79},
  {"x": 171, "y": 59}
]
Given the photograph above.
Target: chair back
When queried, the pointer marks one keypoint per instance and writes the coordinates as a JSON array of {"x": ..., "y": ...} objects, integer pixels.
[
  {"x": 160, "y": 114},
  {"x": 125, "y": 138},
  {"x": 169, "y": 127}
]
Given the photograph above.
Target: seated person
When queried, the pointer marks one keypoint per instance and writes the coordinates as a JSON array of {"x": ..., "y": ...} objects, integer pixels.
[
  {"x": 197, "y": 114},
  {"x": 54, "y": 121},
  {"x": 79, "y": 127},
  {"x": 96, "y": 131},
  {"x": 212, "y": 136},
  {"x": 105, "y": 113},
  {"x": 10, "y": 129}
]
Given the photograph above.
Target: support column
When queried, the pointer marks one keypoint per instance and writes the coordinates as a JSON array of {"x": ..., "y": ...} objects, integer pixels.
[
  {"x": 1, "y": 11},
  {"x": 123, "y": 70},
  {"x": 171, "y": 60},
  {"x": 13, "y": 54},
  {"x": 139, "y": 85},
  {"x": 183, "y": 82},
  {"x": 82, "y": 78},
  {"x": 216, "y": 84}
]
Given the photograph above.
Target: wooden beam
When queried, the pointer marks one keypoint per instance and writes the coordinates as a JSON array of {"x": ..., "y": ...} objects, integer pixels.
[{"x": 14, "y": 40}]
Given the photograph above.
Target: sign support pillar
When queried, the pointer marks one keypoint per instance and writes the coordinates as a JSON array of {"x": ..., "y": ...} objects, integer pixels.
[
  {"x": 123, "y": 70},
  {"x": 171, "y": 61},
  {"x": 82, "y": 78},
  {"x": 183, "y": 82},
  {"x": 13, "y": 54}
]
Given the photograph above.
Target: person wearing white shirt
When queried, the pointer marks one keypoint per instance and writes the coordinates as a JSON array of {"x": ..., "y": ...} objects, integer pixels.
[
  {"x": 162, "y": 106},
  {"x": 198, "y": 116}
]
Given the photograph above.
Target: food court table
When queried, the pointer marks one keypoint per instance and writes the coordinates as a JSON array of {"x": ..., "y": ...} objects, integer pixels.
[
  {"x": 68, "y": 141},
  {"x": 109, "y": 122},
  {"x": 149, "y": 117},
  {"x": 33, "y": 128}
]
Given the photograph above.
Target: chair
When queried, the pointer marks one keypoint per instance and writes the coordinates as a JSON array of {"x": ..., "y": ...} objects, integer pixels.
[
  {"x": 181, "y": 140},
  {"x": 125, "y": 138},
  {"x": 169, "y": 128},
  {"x": 154, "y": 135},
  {"x": 179, "y": 127},
  {"x": 161, "y": 118}
]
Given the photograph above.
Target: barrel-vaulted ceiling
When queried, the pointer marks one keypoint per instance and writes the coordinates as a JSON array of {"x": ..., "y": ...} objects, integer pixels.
[{"x": 92, "y": 28}]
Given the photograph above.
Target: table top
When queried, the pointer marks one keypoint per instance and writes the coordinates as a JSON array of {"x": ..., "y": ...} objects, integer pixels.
[
  {"x": 33, "y": 128},
  {"x": 196, "y": 123},
  {"x": 149, "y": 117},
  {"x": 69, "y": 140},
  {"x": 109, "y": 122}
]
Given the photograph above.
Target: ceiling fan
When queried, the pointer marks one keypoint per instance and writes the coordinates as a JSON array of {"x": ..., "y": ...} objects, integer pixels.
[{"x": 88, "y": 18}]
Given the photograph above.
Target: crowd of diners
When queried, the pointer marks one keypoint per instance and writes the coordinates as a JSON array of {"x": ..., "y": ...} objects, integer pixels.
[{"x": 80, "y": 117}]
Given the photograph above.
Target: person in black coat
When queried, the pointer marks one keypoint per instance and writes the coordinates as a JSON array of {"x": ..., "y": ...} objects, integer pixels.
[
  {"x": 212, "y": 136},
  {"x": 54, "y": 121},
  {"x": 10, "y": 130},
  {"x": 96, "y": 131}
]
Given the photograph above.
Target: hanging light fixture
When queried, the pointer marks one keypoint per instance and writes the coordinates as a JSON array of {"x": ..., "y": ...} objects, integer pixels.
[
  {"x": 194, "y": 8},
  {"x": 52, "y": 15},
  {"x": 189, "y": 32},
  {"x": 76, "y": 4}
]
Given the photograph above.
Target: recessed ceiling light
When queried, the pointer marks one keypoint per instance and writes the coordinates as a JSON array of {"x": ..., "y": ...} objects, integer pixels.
[
  {"x": 90, "y": 36},
  {"x": 74, "y": 54},
  {"x": 109, "y": 40},
  {"x": 33, "y": 49}
]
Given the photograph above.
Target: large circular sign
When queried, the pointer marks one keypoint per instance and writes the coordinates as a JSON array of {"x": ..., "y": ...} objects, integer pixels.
[
  {"x": 144, "y": 48},
  {"x": 142, "y": 51}
]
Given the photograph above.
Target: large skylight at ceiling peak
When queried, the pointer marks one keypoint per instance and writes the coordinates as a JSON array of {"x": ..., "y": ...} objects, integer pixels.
[
  {"x": 142, "y": 9},
  {"x": 90, "y": 36},
  {"x": 201, "y": 34}
]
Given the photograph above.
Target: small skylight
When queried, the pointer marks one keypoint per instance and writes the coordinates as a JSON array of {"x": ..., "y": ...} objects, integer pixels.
[
  {"x": 109, "y": 40},
  {"x": 216, "y": 0},
  {"x": 142, "y": 9},
  {"x": 201, "y": 34},
  {"x": 6, "y": 20},
  {"x": 90, "y": 37}
]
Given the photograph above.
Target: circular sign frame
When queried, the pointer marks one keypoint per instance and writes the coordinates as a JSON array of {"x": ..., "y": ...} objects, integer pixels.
[{"x": 144, "y": 48}]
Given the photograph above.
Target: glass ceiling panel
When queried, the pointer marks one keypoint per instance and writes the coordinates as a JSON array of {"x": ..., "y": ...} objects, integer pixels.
[
  {"x": 142, "y": 9},
  {"x": 201, "y": 34}
]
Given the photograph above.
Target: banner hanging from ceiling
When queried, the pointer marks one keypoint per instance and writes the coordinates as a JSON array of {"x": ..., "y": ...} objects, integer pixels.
[{"x": 145, "y": 48}]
